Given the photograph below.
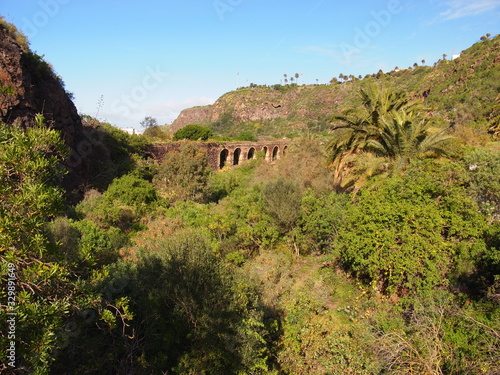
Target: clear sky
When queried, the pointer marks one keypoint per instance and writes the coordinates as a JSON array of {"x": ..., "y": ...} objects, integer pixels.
[{"x": 157, "y": 57}]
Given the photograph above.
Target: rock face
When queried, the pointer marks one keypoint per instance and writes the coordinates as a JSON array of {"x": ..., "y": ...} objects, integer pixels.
[
  {"x": 296, "y": 103},
  {"x": 35, "y": 89},
  {"x": 191, "y": 116},
  {"x": 28, "y": 86}
]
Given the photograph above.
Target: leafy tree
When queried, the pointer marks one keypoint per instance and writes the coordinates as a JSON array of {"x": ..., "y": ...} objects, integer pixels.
[
  {"x": 482, "y": 164},
  {"x": 282, "y": 201},
  {"x": 149, "y": 122},
  {"x": 156, "y": 132},
  {"x": 184, "y": 175},
  {"x": 46, "y": 293},
  {"x": 246, "y": 136},
  {"x": 412, "y": 234},
  {"x": 193, "y": 132},
  {"x": 126, "y": 200},
  {"x": 320, "y": 220},
  {"x": 194, "y": 309}
]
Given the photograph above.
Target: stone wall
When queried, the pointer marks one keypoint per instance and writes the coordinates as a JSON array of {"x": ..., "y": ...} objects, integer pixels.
[{"x": 228, "y": 154}]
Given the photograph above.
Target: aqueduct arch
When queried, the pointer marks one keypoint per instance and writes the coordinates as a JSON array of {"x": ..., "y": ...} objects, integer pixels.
[
  {"x": 223, "y": 158},
  {"x": 236, "y": 156},
  {"x": 251, "y": 153},
  {"x": 225, "y": 154}
]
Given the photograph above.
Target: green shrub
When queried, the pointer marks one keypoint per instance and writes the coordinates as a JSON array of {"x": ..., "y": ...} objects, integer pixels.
[
  {"x": 184, "y": 175},
  {"x": 320, "y": 220},
  {"x": 193, "y": 132},
  {"x": 316, "y": 341},
  {"x": 410, "y": 235},
  {"x": 188, "y": 305},
  {"x": 156, "y": 132},
  {"x": 483, "y": 166},
  {"x": 282, "y": 199},
  {"x": 127, "y": 199}
]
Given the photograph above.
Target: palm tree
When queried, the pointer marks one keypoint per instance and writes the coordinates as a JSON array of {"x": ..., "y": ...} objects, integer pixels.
[
  {"x": 382, "y": 136},
  {"x": 406, "y": 136}
]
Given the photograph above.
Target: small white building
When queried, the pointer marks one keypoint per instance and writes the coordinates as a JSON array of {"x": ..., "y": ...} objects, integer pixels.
[{"x": 132, "y": 131}]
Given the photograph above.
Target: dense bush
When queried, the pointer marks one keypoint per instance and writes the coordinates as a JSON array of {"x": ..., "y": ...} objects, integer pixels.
[
  {"x": 127, "y": 199},
  {"x": 184, "y": 175},
  {"x": 483, "y": 165},
  {"x": 191, "y": 314},
  {"x": 410, "y": 235},
  {"x": 156, "y": 132},
  {"x": 193, "y": 132}
]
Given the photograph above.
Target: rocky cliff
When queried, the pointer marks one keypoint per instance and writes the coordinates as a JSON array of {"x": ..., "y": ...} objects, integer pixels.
[
  {"x": 461, "y": 92},
  {"x": 28, "y": 86},
  {"x": 295, "y": 103}
]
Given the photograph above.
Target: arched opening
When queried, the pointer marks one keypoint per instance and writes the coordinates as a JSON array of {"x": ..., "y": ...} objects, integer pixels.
[
  {"x": 285, "y": 149},
  {"x": 265, "y": 152},
  {"x": 275, "y": 153},
  {"x": 223, "y": 158},
  {"x": 236, "y": 156},
  {"x": 251, "y": 153}
]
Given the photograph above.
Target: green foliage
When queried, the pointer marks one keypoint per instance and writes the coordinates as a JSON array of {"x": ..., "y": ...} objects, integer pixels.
[
  {"x": 127, "y": 199},
  {"x": 441, "y": 337},
  {"x": 120, "y": 153},
  {"x": 131, "y": 191},
  {"x": 225, "y": 181},
  {"x": 184, "y": 175},
  {"x": 156, "y": 132},
  {"x": 320, "y": 219},
  {"x": 282, "y": 201},
  {"x": 29, "y": 196},
  {"x": 193, "y": 315},
  {"x": 85, "y": 245},
  {"x": 246, "y": 136},
  {"x": 237, "y": 222},
  {"x": 316, "y": 341},
  {"x": 406, "y": 236},
  {"x": 42, "y": 70},
  {"x": 6, "y": 98},
  {"x": 193, "y": 132},
  {"x": 484, "y": 165},
  {"x": 224, "y": 124},
  {"x": 389, "y": 129},
  {"x": 12, "y": 30}
]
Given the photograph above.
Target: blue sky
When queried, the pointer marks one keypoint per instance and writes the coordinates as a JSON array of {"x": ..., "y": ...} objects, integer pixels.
[{"x": 157, "y": 57}]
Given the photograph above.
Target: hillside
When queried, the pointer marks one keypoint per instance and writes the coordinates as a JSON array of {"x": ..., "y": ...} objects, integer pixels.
[{"x": 461, "y": 91}]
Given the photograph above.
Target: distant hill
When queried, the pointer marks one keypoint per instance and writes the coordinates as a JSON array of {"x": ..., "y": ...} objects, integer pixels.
[{"x": 460, "y": 91}]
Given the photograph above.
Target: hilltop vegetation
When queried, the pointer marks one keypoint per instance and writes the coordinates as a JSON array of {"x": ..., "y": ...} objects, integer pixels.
[
  {"x": 460, "y": 92},
  {"x": 373, "y": 247}
]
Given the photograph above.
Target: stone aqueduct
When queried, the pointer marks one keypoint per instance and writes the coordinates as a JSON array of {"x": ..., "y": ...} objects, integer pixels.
[{"x": 225, "y": 154}]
